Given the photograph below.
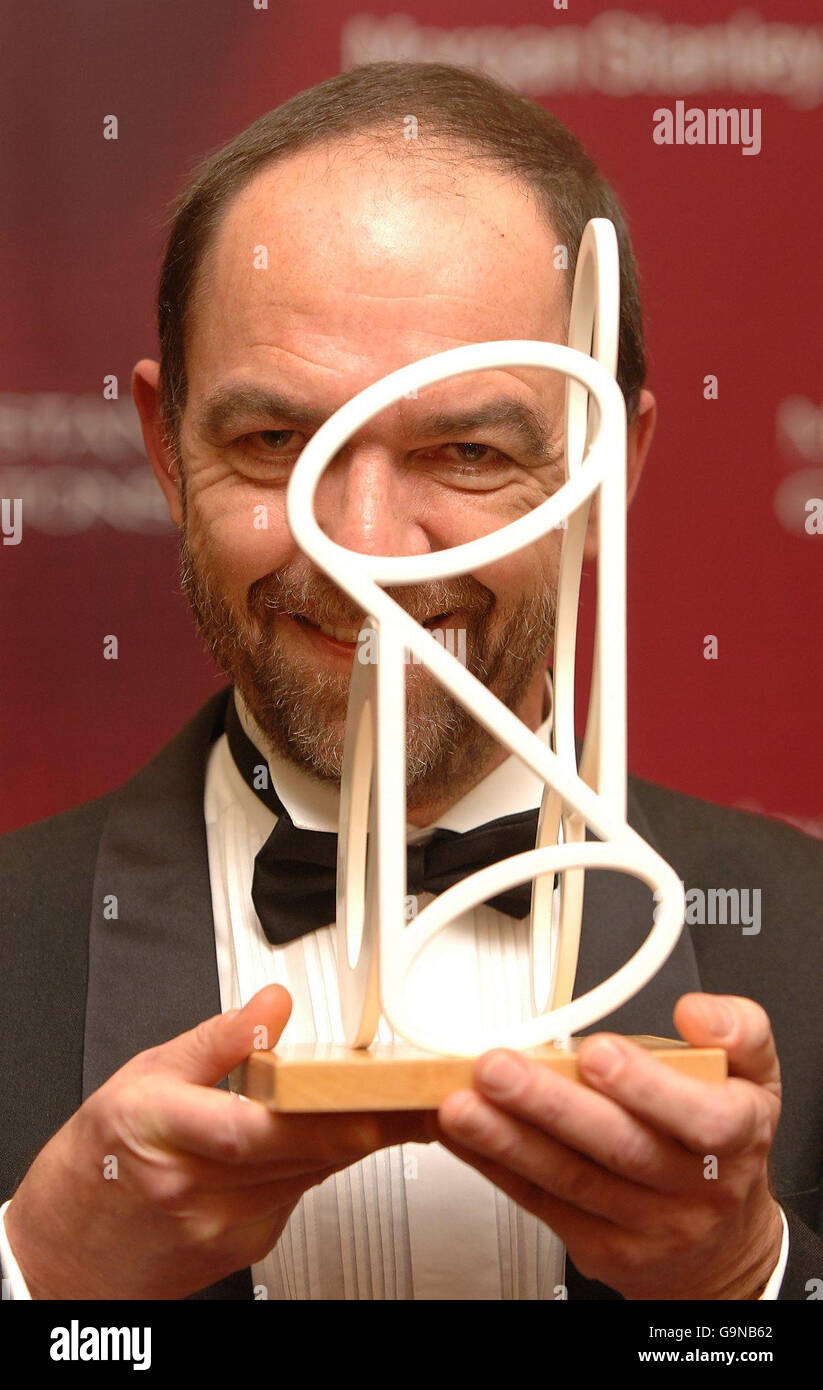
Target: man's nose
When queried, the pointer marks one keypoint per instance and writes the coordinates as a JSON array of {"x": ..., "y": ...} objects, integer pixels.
[{"x": 366, "y": 503}]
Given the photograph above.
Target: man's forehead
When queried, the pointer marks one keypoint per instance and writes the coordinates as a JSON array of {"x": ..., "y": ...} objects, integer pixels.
[
  {"x": 357, "y": 265},
  {"x": 385, "y": 226}
]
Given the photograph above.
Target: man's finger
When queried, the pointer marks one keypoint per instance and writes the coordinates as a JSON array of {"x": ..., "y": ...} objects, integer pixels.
[
  {"x": 207, "y": 1053},
  {"x": 219, "y": 1126},
  {"x": 587, "y": 1121},
  {"x": 702, "y": 1115},
  {"x": 740, "y": 1026}
]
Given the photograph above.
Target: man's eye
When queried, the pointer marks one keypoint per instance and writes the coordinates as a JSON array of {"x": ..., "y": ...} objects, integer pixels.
[
  {"x": 268, "y": 454},
  {"x": 272, "y": 441},
  {"x": 472, "y": 453},
  {"x": 468, "y": 464},
  {"x": 467, "y": 453}
]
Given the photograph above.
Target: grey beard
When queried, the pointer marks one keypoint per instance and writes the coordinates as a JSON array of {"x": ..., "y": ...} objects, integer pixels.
[{"x": 302, "y": 711}]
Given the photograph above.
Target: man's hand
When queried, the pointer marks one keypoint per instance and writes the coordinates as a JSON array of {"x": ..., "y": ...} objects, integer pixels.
[
  {"x": 656, "y": 1183},
  {"x": 160, "y": 1185}
]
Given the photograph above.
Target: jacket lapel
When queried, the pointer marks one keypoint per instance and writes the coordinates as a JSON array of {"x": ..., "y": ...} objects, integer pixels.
[
  {"x": 617, "y": 917},
  {"x": 152, "y": 967}
]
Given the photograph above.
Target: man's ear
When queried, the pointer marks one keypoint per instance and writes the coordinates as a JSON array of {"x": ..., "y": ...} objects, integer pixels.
[
  {"x": 144, "y": 389},
  {"x": 638, "y": 442}
]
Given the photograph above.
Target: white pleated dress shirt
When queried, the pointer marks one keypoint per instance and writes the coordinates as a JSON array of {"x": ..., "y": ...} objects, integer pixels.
[{"x": 411, "y": 1221}]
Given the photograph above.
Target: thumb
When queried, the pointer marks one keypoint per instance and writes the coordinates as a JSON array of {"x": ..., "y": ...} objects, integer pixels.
[
  {"x": 740, "y": 1026},
  {"x": 208, "y": 1052}
]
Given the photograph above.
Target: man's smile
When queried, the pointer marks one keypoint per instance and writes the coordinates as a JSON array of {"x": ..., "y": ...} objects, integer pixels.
[{"x": 342, "y": 640}]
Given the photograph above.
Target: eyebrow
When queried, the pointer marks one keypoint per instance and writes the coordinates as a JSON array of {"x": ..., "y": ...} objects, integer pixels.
[
  {"x": 228, "y": 407},
  {"x": 526, "y": 423}
]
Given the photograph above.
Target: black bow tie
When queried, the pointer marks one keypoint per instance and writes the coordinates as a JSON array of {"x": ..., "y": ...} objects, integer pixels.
[{"x": 295, "y": 872}]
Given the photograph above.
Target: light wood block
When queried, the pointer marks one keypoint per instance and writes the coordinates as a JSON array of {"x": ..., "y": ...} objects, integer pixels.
[{"x": 325, "y": 1077}]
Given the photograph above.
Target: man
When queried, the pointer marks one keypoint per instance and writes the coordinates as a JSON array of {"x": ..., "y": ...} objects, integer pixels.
[{"x": 151, "y": 933}]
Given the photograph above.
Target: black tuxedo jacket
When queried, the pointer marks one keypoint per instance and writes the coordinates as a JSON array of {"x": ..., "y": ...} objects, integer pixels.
[{"x": 81, "y": 993}]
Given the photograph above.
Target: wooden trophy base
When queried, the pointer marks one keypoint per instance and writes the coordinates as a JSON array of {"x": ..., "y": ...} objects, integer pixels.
[{"x": 325, "y": 1077}]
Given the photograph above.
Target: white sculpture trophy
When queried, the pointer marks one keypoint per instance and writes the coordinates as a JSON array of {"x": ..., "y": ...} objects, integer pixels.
[{"x": 376, "y": 946}]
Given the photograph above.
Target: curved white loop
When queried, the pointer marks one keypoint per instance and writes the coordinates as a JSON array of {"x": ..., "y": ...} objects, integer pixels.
[
  {"x": 629, "y": 855},
  {"x": 373, "y": 799}
]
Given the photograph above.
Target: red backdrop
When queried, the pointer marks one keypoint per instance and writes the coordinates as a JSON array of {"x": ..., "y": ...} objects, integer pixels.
[{"x": 729, "y": 252}]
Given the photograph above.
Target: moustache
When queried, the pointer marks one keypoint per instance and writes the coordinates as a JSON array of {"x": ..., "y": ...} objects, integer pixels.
[{"x": 320, "y": 601}]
